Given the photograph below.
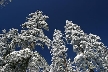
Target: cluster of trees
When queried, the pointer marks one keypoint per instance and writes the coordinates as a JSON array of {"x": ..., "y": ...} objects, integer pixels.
[{"x": 91, "y": 53}]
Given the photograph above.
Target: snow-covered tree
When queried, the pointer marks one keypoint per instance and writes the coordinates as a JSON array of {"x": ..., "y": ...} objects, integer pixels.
[
  {"x": 59, "y": 60},
  {"x": 26, "y": 40},
  {"x": 91, "y": 53}
]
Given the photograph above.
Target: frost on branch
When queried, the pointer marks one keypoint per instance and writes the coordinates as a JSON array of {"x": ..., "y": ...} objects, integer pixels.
[
  {"x": 25, "y": 60},
  {"x": 37, "y": 62},
  {"x": 91, "y": 53},
  {"x": 59, "y": 61},
  {"x": 7, "y": 41},
  {"x": 4, "y": 2},
  {"x": 17, "y": 60}
]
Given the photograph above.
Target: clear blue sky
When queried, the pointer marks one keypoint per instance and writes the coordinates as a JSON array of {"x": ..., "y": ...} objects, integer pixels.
[{"x": 91, "y": 15}]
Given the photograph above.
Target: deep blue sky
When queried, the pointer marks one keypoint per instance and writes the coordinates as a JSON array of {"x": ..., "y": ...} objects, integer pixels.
[{"x": 90, "y": 15}]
